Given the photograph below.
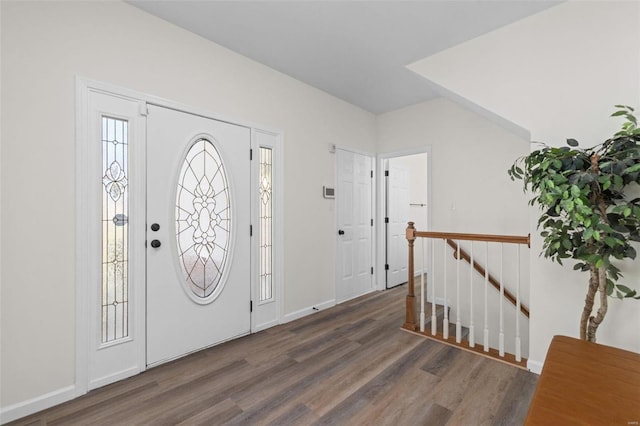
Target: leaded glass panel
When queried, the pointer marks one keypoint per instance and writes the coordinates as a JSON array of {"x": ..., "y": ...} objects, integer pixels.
[
  {"x": 266, "y": 224},
  {"x": 203, "y": 218},
  {"x": 115, "y": 245}
]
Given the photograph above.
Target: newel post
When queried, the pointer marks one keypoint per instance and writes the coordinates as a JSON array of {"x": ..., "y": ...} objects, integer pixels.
[{"x": 410, "y": 319}]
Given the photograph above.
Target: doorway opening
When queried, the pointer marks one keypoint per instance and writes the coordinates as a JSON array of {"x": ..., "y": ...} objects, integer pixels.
[{"x": 405, "y": 197}]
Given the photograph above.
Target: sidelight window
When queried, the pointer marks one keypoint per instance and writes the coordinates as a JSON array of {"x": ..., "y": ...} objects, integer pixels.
[
  {"x": 266, "y": 224},
  {"x": 115, "y": 245}
]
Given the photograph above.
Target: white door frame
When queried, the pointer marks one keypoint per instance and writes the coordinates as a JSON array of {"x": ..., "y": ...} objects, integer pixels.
[
  {"x": 86, "y": 271},
  {"x": 373, "y": 213},
  {"x": 381, "y": 207}
]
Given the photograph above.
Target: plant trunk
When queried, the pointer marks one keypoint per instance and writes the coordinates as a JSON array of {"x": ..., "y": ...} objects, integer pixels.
[
  {"x": 594, "y": 281},
  {"x": 598, "y": 276},
  {"x": 594, "y": 322}
]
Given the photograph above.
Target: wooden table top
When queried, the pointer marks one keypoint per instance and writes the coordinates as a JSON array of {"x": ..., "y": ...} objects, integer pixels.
[{"x": 585, "y": 383}]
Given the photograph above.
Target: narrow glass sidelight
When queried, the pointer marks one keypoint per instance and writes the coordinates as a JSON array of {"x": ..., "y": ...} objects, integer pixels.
[
  {"x": 266, "y": 224},
  {"x": 203, "y": 219},
  {"x": 115, "y": 244}
]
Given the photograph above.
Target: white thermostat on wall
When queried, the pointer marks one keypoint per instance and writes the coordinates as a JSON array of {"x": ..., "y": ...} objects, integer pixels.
[{"x": 328, "y": 192}]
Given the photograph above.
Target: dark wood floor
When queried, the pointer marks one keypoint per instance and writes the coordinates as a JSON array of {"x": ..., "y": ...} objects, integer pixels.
[{"x": 349, "y": 365}]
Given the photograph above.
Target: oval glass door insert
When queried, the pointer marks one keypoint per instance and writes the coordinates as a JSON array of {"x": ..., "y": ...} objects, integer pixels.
[{"x": 203, "y": 219}]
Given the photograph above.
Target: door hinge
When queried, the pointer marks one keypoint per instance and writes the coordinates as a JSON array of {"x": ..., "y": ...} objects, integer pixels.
[
  {"x": 251, "y": 155},
  {"x": 386, "y": 220},
  {"x": 386, "y": 266},
  {"x": 371, "y": 222},
  {"x": 371, "y": 174},
  {"x": 142, "y": 109},
  {"x": 251, "y": 230},
  {"x": 372, "y": 270},
  {"x": 251, "y": 306},
  {"x": 386, "y": 173}
]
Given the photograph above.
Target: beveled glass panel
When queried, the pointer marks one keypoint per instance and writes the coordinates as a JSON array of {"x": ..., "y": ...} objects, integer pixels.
[
  {"x": 266, "y": 223},
  {"x": 203, "y": 218},
  {"x": 115, "y": 241}
]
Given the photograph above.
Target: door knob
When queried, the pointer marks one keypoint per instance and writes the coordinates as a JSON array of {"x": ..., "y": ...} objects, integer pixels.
[
  {"x": 156, "y": 243},
  {"x": 340, "y": 232}
]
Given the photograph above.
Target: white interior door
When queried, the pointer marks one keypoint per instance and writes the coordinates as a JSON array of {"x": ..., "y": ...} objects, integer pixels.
[
  {"x": 355, "y": 224},
  {"x": 198, "y": 219},
  {"x": 398, "y": 188}
]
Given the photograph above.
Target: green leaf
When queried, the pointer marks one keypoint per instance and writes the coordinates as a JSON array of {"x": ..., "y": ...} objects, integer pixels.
[
  {"x": 623, "y": 288},
  {"x": 611, "y": 242},
  {"x": 633, "y": 169},
  {"x": 609, "y": 287},
  {"x": 617, "y": 181},
  {"x": 572, "y": 142},
  {"x": 630, "y": 252}
]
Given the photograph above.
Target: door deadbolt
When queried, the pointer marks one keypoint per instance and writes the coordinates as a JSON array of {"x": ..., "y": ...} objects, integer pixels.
[
  {"x": 156, "y": 243},
  {"x": 155, "y": 227}
]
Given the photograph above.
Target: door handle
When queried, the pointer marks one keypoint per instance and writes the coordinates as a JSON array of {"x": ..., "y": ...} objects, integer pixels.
[
  {"x": 156, "y": 243},
  {"x": 340, "y": 232}
]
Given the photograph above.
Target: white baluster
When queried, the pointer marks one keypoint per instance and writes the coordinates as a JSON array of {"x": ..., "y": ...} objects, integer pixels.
[
  {"x": 501, "y": 301},
  {"x": 434, "y": 322},
  {"x": 445, "y": 321},
  {"x": 518, "y": 346},
  {"x": 458, "y": 323},
  {"x": 472, "y": 333},
  {"x": 486, "y": 307},
  {"x": 422, "y": 294}
]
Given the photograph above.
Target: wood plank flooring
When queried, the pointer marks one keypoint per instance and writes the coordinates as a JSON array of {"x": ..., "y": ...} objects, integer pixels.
[{"x": 348, "y": 365}]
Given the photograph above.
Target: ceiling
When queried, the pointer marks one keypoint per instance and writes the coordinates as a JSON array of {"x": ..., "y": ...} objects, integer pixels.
[{"x": 354, "y": 50}]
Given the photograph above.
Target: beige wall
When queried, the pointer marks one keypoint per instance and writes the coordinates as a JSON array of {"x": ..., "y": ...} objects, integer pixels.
[
  {"x": 558, "y": 74},
  {"x": 470, "y": 188},
  {"x": 44, "y": 46}
]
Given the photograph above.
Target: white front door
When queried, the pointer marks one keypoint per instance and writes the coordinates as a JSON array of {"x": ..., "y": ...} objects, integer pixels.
[
  {"x": 355, "y": 224},
  {"x": 397, "y": 217},
  {"x": 198, "y": 240}
]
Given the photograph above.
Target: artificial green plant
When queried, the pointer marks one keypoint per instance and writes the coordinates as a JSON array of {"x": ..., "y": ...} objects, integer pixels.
[{"x": 589, "y": 212}]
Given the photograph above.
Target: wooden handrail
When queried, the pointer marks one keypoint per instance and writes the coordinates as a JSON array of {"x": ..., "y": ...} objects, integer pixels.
[
  {"x": 410, "y": 319},
  {"x": 494, "y": 282},
  {"x": 512, "y": 239}
]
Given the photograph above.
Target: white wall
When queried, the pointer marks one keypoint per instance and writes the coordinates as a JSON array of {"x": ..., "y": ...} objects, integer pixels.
[
  {"x": 470, "y": 188},
  {"x": 44, "y": 46},
  {"x": 558, "y": 74}
]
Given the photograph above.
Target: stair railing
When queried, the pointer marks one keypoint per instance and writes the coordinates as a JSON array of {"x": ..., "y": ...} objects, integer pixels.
[{"x": 449, "y": 239}]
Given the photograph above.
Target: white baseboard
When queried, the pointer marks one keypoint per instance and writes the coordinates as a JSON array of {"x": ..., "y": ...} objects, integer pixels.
[
  {"x": 112, "y": 378},
  {"x": 264, "y": 326},
  {"x": 292, "y": 316},
  {"x": 534, "y": 366},
  {"x": 31, "y": 406}
]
